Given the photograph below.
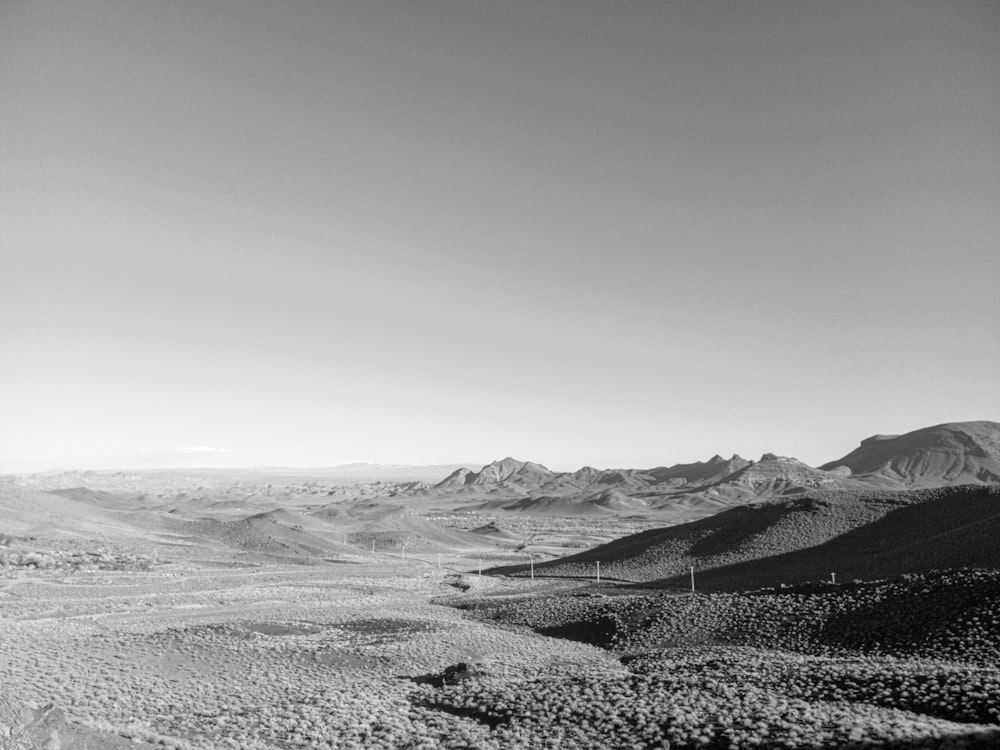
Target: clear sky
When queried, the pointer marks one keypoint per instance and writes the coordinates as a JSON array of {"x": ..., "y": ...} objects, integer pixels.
[{"x": 605, "y": 233}]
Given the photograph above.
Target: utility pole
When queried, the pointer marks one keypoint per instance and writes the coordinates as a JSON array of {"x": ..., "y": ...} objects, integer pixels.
[
  {"x": 598, "y": 571},
  {"x": 480, "y": 567},
  {"x": 692, "y": 579},
  {"x": 532, "y": 561}
]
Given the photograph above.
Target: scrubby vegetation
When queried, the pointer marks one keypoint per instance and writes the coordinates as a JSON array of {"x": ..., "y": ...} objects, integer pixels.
[
  {"x": 911, "y": 662},
  {"x": 950, "y": 614},
  {"x": 257, "y": 658},
  {"x": 942, "y": 689},
  {"x": 22, "y": 555},
  {"x": 694, "y": 699},
  {"x": 270, "y": 656}
]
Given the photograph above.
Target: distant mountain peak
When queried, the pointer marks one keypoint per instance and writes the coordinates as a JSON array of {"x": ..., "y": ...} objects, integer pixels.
[
  {"x": 718, "y": 460},
  {"x": 504, "y": 470},
  {"x": 507, "y": 468},
  {"x": 949, "y": 453},
  {"x": 967, "y": 452},
  {"x": 783, "y": 474},
  {"x": 776, "y": 457}
]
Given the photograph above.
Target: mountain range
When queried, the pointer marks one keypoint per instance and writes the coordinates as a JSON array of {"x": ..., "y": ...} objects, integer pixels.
[
  {"x": 896, "y": 503},
  {"x": 957, "y": 453},
  {"x": 948, "y": 454}
]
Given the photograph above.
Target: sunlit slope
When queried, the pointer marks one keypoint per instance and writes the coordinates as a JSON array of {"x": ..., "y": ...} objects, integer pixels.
[
  {"x": 28, "y": 512},
  {"x": 954, "y": 453},
  {"x": 390, "y": 527},
  {"x": 335, "y": 531}
]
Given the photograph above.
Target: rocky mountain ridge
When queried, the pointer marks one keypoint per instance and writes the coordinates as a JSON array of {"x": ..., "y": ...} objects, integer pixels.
[{"x": 944, "y": 455}]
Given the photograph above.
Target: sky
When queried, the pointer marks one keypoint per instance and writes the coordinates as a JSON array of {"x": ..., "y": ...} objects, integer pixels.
[{"x": 622, "y": 234}]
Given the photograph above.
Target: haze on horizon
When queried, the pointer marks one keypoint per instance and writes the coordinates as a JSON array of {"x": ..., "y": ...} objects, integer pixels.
[{"x": 628, "y": 234}]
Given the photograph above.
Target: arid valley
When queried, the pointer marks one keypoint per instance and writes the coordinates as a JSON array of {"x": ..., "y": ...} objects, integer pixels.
[
  {"x": 852, "y": 605},
  {"x": 499, "y": 375}
]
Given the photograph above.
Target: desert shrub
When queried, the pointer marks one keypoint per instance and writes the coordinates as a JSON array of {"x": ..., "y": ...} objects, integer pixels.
[
  {"x": 683, "y": 707},
  {"x": 941, "y": 689},
  {"x": 949, "y": 614}
]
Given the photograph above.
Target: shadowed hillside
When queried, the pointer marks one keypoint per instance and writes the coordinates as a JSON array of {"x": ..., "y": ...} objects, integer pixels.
[
  {"x": 956, "y": 529},
  {"x": 761, "y": 532},
  {"x": 940, "y": 613}
]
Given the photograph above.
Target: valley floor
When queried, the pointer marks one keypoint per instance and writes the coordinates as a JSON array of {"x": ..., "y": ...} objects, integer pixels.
[
  {"x": 370, "y": 655},
  {"x": 282, "y": 656}
]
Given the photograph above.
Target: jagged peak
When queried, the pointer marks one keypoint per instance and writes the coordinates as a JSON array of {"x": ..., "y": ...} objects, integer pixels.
[
  {"x": 507, "y": 462},
  {"x": 506, "y": 468},
  {"x": 776, "y": 457}
]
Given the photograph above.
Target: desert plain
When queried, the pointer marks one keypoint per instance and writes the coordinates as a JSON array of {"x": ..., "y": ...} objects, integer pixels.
[{"x": 851, "y": 605}]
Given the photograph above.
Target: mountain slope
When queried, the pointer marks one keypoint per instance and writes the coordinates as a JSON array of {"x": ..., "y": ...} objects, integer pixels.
[
  {"x": 508, "y": 470},
  {"x": 700, "y": 473},
  {"x": 754, "y": 532},
  {"x": 780, "y": 475},
  {"x": 959, "y": 528},
  {"x": 953, "y": 453}
]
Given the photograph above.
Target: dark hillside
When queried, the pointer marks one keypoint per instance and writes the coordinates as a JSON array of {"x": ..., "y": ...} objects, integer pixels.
[
  {"x": 764, "y": 530},
  {"x": 950, "y": 531}
]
